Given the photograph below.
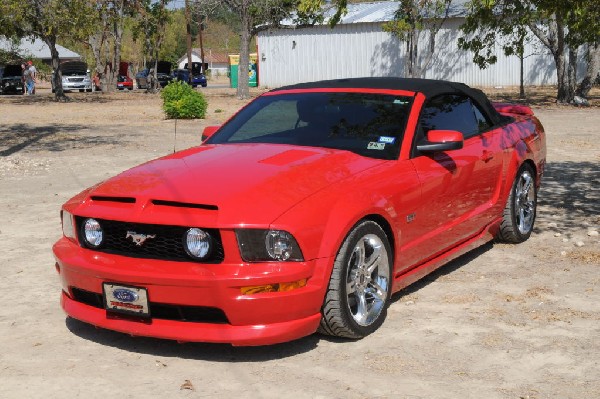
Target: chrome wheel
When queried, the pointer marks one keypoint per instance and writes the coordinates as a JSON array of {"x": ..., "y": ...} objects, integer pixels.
[
  {"x": 519, "y": 214},
  {"x": 367, "y": 281},
  {"x": 356, "y": 300},
  {"x": 525, "y": 202}
]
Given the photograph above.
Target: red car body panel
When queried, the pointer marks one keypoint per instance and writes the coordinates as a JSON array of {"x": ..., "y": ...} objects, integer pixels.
[{"x": 434, "y": 209}]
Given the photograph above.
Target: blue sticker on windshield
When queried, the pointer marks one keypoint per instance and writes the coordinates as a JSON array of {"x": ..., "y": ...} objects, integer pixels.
[{"x": 387, "y": 139}]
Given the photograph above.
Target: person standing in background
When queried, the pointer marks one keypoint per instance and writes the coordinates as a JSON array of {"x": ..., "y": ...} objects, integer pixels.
[
  {"x": 33, "y": 72},
  {"x": 28, "y": 78},
  {"x": 23, "y": 79}
]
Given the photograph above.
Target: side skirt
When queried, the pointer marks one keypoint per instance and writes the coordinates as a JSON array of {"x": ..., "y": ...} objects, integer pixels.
[{"x": 408, "y": 277}]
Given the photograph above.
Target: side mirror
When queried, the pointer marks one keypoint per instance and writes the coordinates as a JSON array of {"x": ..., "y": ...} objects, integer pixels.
[
  {"x": 441, "y": 140},
  {"x": 209, "y": 131}
]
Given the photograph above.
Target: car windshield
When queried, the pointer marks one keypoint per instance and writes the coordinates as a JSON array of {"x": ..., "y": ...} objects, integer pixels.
[{"x": 368, "y": 124}]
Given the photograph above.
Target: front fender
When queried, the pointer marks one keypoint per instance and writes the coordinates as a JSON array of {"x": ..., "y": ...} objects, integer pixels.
[{"x": 321, "y": 222}]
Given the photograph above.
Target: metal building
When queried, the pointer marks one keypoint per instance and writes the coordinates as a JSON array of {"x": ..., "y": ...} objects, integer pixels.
[{"x": 358, "y": 47}]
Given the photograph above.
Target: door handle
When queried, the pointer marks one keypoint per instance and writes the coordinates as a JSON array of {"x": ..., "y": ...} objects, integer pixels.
[{"x": 487, "y": 156}]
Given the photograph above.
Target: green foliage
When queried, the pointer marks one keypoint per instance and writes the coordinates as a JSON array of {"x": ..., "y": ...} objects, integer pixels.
[
  {"x": 486, "y": 27},
  {"x": 182, "y": 102},
  {"x": 311, "y": 11}
]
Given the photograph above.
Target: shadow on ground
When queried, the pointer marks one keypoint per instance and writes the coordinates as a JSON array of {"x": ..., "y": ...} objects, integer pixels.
[
  {"x": 572, "y": 189},
  {"x": 96, "y": 97},
  {"x": 20, "y": 137}
]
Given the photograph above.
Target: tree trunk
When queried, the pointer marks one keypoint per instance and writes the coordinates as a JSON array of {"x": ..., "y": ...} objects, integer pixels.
[
  {"x": 106, "y": 78},
  {"x": 572, "y": 73},
  {"x": 95, "y": 41},
  {"x": 59, "y": 93},
  {"x": 118, "y": 31},
  {"x": 243, "y": 90},
  {"x": 591, "y": 72},
  {"x": 200, "y": 29},
  {"x": 554, "y": 40},
  {"x": 522, "y": 76}
]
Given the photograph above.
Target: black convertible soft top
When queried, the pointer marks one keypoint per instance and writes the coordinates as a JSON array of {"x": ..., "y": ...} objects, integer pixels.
[{"x": 428, "y": 87}]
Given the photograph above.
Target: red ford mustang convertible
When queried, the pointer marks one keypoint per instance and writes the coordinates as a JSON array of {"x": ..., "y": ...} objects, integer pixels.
[{"x": 304, "y": 212}]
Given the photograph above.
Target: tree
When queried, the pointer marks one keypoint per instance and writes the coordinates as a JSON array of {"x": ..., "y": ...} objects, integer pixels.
[
  {"x": 412, "y": 20},
  {"x": 483, "y": 38},
  {"x": 47, "y": 20},
  {"x": 153, "y": 16},
  {"x": 106, "y": 39},
  {"x": 201, "y": 10},
  {"x": 562, "y": 26},
  {"x": 255, "y": 15}
]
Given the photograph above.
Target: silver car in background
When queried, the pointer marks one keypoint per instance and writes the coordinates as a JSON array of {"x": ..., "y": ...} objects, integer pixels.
[{"x": 75, "y": 76}]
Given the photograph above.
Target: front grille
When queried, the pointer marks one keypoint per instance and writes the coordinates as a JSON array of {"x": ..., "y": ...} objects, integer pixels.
[
  {"x": 194, "y": 314},
  {"x": 168, "y": 243},
  {"x": 75, "y": 79}
]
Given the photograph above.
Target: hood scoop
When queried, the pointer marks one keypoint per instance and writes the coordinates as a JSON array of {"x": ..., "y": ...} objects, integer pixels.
[
  {"x": 176, "y": 204},
  {"x": 121, "y": 200}
]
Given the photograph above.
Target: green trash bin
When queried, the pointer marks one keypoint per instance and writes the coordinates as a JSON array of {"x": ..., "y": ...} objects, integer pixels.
[{"x": 234, "y": 63}]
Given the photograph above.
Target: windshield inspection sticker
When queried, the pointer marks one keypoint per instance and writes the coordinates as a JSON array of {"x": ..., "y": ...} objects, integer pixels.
[
  {"x": 387, "y": 139},
  {"x": 376, "y": 146}
]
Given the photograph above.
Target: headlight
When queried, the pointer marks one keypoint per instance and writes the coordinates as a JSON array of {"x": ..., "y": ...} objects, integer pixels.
[
  {"x": 198, "y": 243},
  {"x": 93, "y": 233},
  {"x": 67, "y": 224},
  {"x": 268, "y": 245}
]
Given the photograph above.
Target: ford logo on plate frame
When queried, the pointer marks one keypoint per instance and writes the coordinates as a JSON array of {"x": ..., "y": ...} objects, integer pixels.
[{"x": 125, "y": 295}]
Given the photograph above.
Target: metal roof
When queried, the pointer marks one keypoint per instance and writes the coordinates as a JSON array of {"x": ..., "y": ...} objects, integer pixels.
[
  {"x": 379, "y": 11},
  {"x": 36, "y": 48}
]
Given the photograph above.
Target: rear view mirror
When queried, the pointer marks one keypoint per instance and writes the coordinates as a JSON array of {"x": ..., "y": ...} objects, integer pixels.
[
  {"x": 441, "y": 140},
  {"x": 209, "y": 131}
]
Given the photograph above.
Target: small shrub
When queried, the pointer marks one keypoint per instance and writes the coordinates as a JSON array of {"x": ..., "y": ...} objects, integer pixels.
[{"x": 182, "y": 102}]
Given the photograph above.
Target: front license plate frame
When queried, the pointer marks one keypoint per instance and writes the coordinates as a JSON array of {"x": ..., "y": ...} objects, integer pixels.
[{"x": 126, "y": 299}]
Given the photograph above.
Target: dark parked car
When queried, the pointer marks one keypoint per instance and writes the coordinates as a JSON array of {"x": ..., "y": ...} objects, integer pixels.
[
  {"x": 12, "y": 80},
  {"x": 198, "y": 77},
  {"x": 184, "y": 76},
  {"x": 163, "y": 74}
]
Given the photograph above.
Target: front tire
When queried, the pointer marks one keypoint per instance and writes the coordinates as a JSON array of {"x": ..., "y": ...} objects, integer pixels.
[
  {"x": 359, "y": 290},
  {"x": 520, "y": 211}
]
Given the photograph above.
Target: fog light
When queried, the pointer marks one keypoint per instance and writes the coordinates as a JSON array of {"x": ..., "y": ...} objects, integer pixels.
[
  {"x": 93, "y": 233},
  {"x": 198, "y": 243}
]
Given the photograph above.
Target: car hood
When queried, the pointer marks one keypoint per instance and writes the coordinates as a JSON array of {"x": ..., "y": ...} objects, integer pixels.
[
  {"x": 74, "y": 67},
  {"x": 163, "y": 67},
  {"x": 250, "y": 184},
  {"x": 12, "y": 71}
]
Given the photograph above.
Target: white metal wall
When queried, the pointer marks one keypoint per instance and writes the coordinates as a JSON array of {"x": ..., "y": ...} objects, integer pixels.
[{"x": 288, "y": 56}]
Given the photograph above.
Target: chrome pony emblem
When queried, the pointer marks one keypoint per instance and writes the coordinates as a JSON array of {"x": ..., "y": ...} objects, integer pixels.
[{"x": 139, "y": 239}]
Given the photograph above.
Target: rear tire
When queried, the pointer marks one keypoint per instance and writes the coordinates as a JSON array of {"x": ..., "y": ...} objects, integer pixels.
[
  {"x": 521, "y": 207},
  {"x": 359, "y": 290}
]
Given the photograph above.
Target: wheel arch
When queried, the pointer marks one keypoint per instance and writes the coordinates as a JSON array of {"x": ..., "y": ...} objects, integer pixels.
[{"x": 387, "y": 229}]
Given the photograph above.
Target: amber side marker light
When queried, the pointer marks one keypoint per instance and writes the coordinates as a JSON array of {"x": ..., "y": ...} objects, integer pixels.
[{"x": 277, "y": 287}]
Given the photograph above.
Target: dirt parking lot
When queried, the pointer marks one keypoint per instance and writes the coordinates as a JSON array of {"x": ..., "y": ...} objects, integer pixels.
[{"x": 501, "y": 322}]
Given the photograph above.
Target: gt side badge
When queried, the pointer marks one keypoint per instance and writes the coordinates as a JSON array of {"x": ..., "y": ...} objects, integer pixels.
[
  {"x": 410, "y": 217},
  {"x": 376, "y": 146}
]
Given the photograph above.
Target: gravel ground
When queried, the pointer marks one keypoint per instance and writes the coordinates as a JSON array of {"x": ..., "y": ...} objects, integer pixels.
[{"x": 503, "y": 321}]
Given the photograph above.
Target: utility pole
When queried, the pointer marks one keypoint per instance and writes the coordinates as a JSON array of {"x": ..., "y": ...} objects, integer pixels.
[
  {"x": 188, "y": 28},
  {"x": 200, "y": 29}
]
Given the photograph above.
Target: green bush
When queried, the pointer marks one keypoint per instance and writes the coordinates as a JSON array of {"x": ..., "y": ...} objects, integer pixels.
[{"x": 182, "y": 102}]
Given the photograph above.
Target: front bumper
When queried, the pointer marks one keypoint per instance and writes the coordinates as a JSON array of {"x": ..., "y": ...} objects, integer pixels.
[
  {"x": 258, "y": 319},
  {"x": 77, "y": 85},
  {"x": 12, "y": 86}
]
